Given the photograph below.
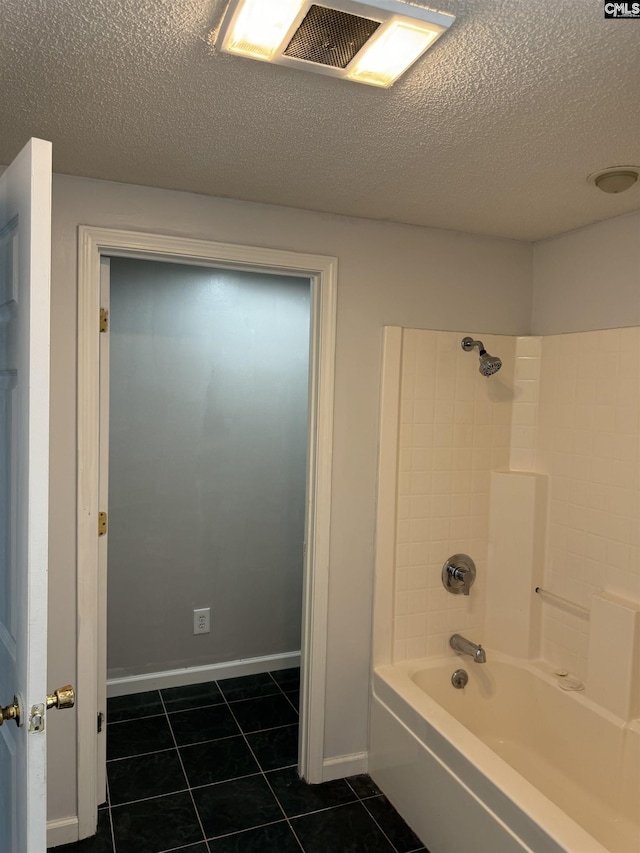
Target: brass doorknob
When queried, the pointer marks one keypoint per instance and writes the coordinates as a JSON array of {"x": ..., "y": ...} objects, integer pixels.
[
  {"x": 63, "y": 697},
  {"x": 10, "y": 712}
]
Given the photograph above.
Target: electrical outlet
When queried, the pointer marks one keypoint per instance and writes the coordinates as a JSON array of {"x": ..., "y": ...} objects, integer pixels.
[{"x": 201, "y": 620}]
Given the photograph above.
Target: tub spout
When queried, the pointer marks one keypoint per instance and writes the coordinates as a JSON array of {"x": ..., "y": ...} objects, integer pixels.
[{"x": 465, "y": 647}]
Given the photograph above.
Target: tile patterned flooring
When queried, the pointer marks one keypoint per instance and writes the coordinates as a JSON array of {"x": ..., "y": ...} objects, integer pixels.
[{"x": 211, "y": 768}]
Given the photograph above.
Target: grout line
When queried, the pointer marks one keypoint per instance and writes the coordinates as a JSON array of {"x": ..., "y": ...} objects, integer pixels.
[
  {"x": 379, "y": 827},
  {"x": 367, "y": 797},
  {"x": 218, "y": 739},
  {"x": 373, "y": 796},
  {"x": 326, "y": 809},
  {"x": 189, "y": 787},
  {"x": 223, "y": 701},
  {"x": 352, "y": 788},
  {"x": 202, "y": 742},
  {"x": 271, "y": 729},
  {"x": 264, "y": 776},
  {"x": 154, "y": 797},
  {"x": 113, "y": 837},
  {"x": 194, "y": 708},
  {"x": 186, "y": 778},
  {"x": 249, "y": 829},
  {"x": 286, "y": 696},
  {"x": 224, "y": 781},
  {"x": 284, "y": 693},
  {"x": 139, "y": 754},
  {"x": 193, "y": 845},
  {"x": 251, "y": 698},
  {"x": 134, "y": 719}
]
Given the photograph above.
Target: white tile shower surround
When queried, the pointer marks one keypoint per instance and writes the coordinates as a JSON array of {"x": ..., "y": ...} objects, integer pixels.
[
  {"x": 588, "y": 442},
  {"x": 564, "y": 405},
  {"x": 455, "y": 428},
  {"x": 524, "y": 416}
]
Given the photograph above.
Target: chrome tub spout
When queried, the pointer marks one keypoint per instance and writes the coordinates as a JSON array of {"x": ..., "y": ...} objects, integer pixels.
[{"x": 465, "y": 647}]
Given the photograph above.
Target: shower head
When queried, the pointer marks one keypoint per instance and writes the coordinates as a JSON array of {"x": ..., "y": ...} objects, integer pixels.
[{"x": 489, "y": 364}]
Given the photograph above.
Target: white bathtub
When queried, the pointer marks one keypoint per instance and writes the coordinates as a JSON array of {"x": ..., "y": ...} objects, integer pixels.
[{"x": 509, "y": 763}]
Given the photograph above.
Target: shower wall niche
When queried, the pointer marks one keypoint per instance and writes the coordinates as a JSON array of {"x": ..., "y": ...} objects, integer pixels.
[{"x": 534, "y": 472}]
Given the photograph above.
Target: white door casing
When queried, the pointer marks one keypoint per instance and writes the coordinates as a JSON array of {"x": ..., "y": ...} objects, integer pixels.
[
  {"x": 25, "y": 268},
  {"x": 103, "y": 541},
  {"x": 95, "y": 245}
]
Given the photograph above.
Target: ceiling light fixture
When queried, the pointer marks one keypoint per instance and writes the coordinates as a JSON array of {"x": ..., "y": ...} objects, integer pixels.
[
  {"x": 373, "y": 42},
  {"x": 615, "y": 179}
]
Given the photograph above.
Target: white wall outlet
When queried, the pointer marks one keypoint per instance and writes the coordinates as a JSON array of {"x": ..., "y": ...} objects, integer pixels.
[{"x": 201, "y": 620}]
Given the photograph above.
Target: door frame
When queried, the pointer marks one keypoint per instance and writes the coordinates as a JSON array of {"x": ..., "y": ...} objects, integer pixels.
[{"x": 93, "y": 243}]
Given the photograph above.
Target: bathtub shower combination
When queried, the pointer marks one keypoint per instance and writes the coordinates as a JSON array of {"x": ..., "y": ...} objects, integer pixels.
[
  {"x": 490, "y": 732},
  {"x": 508, "y": 763}
]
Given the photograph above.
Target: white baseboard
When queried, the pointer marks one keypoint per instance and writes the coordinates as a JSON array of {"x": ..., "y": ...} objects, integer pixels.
[
  {"x": 344, "y": 765},
  {"x": 198, "y": 674},
  {"x": 62, "y": 831}
]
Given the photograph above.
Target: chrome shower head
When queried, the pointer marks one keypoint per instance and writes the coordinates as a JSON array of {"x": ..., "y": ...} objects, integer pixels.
[{"x": 489, "y": 364}]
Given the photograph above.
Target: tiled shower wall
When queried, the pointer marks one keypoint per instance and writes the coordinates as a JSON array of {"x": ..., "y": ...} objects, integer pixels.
[
  {"x": 455, "y": 428},
  {"x": 565, "y": 405},
  {"x": 588, "y": 440}
]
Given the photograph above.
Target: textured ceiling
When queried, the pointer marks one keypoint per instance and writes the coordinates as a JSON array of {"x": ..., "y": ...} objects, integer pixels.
[{"x": 494, "y": 131}]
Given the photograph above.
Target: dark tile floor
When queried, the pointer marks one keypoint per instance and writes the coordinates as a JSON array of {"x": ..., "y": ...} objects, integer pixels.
[{"x": 211, "y": 768}]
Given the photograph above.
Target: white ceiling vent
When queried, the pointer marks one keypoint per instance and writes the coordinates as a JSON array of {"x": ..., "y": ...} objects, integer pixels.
[{"x": 372, "y": 42}]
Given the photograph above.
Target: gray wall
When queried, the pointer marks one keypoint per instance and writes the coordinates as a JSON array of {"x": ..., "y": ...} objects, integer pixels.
[
  {"x": 588, "y": 279},
  {"x": 208, "y": 436},
  {"x": 387, "y": 274}
]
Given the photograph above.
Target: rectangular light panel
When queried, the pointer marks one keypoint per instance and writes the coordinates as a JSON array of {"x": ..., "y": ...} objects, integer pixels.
[
  {"x": 390, "y": 54},
  {"x": 263, "y": 30},
  {"x": 260, "y": 26}
]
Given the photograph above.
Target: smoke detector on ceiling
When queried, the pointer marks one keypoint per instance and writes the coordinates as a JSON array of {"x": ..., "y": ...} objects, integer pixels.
[{"x": 373, "y": 42}]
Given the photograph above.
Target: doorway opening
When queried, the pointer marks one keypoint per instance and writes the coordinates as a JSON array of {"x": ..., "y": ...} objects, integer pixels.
[
  {"x": 207, "y": 447},
  {"x": 316, "y": 274}
]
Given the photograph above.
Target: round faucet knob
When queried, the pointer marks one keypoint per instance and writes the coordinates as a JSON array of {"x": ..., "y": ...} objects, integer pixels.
[{"x": 458, "y": 574}]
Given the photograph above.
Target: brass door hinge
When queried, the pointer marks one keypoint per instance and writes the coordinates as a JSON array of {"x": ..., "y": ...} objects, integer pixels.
[
  {"x": 102, "y": 523},
  {"x": 104, "y": 320}
]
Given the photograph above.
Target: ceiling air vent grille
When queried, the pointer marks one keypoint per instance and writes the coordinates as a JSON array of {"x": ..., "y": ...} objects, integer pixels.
[{"x": 330, "y": 37}]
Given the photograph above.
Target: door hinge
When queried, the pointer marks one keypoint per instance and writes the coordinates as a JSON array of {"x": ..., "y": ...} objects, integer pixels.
[
  {"x": 102, "y": 523},
  {"x": 104, "y": 320},
  {"x": 100, "y": 721}
]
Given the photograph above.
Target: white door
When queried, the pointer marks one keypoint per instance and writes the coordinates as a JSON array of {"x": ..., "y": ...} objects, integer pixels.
[{"x": 25, "y": 252}]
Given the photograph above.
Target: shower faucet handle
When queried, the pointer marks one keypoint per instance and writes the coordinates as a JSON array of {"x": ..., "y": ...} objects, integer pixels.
[
  {"x": 458, "y": 574},
  {"x": 463, "y": 575}
]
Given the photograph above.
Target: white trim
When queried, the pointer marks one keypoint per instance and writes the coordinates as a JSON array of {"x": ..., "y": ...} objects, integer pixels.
[
  {"x": 322, "y": 270},
  {"x": 87, "y": 585},
  {"x": 62, "y": 831},
  {"x": 198, "y": 674},
  {"x": 385, "y": 539},
  {"x": 345, "y": 765},
  {"x": 103, "y": 502}
]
